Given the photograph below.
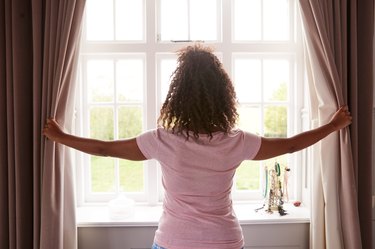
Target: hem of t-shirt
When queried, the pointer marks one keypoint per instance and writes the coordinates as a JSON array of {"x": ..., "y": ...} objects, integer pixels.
[{"x": 240, "y": 244}]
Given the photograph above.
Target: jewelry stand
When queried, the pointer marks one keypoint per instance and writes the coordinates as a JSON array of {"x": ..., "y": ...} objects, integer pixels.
[{"x": 273, "y": 191}]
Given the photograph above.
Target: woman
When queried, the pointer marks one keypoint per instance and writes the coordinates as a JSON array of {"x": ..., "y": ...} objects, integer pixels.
[{"x": 199, "y": 150}]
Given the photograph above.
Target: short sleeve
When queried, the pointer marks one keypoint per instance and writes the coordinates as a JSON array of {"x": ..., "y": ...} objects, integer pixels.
[
  {"x": 251, "y": 143},
  {"x": 148, "y": 143}
]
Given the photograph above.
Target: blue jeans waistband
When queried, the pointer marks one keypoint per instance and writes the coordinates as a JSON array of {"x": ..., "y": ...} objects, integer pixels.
[{"x": 155, "y": 246}]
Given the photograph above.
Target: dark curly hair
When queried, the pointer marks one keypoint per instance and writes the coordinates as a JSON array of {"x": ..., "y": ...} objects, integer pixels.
[{"x": 201, "y": 96}]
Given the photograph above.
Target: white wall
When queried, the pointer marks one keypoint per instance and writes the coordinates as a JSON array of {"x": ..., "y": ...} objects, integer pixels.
[{"x": 257, "y": 236}]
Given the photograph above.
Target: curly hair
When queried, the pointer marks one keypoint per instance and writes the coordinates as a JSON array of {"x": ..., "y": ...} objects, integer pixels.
[{"x": 201, "y": 96}]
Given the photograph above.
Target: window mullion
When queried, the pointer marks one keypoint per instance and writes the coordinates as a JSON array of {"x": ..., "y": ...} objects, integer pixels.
[
  {"x": 189, "y": 19},
  {"x": 226, "y": 35},
  {"x": 114, "y": 19},
  {"x": 292, "y": 21},
  {"x": 115, "y": 125},
  {"x": 262, "y": 20},
  {"x": 262, "y": 97},
  {"x": 149, "y": 105}
]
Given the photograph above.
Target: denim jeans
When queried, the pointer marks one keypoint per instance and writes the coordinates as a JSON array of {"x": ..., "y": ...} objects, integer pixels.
[{"x": 155, "y": 246}]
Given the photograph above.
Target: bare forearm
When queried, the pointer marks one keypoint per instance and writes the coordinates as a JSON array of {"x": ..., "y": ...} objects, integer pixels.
[
  {"x": 308, "y": 138},
  {"x": 272, "y": 147},
  {"x": 87, "y": 145}
]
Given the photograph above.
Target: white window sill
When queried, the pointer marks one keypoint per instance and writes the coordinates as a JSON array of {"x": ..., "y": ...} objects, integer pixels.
[{"x": 143, "y": 215}]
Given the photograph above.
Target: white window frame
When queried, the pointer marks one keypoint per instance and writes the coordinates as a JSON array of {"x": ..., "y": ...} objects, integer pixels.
[{"x": 151, "y": 48}]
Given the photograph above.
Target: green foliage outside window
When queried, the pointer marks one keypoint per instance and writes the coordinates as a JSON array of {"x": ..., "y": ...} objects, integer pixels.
[
  {"x": 130, "y": 125},
  {"x": 276, "y": 117},
  {"x": 102, "y": 169}
]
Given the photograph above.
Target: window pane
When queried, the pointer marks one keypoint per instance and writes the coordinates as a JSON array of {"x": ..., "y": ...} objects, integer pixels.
[
  {"x": 248, "y": 176},
  {"x": 99, "y": 25},
  {"x": 203, "y": 20},
  {"x": 100, "y": 80},
  {"x": 247, "y": 79},
  {"x": 102, "y": 174},
  {"x": 130, "y": 78},
  {"x": 276, "y": 80},
  {"x": 131, "y": 176},
  {"x": 247, "y": 20},
  {"x": 167, "y": 67},
  {"x": 131, "y": 172},
  {"x": 174, "y": 20},
  {"x": 129, "y": 20},
  {"x": 101, "y": 123},
  {"x": 130, "y": 121},
  {"x": 249, "y": 118},
  {"x": 276, "y": 19},
  {"x": 275, "y": 121},
  {"x": 102, "y": 169},
  {"x": 188, "y": 20}
]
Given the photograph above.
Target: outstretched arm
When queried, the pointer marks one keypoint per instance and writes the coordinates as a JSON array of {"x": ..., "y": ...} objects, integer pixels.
[
  {"x": 125, "y": 149},
  {"x": 272, "y": 147}
]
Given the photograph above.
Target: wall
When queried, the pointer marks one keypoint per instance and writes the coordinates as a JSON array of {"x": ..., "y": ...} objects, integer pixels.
[{"x": 257, "y": 236}]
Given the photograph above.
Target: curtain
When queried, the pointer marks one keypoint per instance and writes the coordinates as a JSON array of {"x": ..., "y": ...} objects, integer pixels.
[
  {"x": 338, "y": 44},
  {"x": 38, "y": 51}
]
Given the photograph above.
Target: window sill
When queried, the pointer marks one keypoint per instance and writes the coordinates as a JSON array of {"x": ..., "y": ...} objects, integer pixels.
[{"x": 144, "y": 215}]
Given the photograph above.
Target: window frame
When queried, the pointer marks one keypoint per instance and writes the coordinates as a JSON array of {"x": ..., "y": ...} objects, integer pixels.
[{"x": 151, "y": 48}]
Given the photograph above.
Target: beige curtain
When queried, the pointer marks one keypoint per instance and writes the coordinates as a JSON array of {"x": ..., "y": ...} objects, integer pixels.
[
  {"x": 338, "y": 41},
  {"x": 38, "y": 51}
]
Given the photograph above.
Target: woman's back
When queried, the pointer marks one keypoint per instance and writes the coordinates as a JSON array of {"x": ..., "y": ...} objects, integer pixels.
[{"x": 197, "y": 177}]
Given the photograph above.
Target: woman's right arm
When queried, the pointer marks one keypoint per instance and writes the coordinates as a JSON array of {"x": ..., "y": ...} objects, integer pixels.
[
  {"x": 125, "y": 149},
  {"x": 272, "y": 147}
]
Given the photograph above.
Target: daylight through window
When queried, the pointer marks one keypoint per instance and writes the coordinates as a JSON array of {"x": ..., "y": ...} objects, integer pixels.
[{"x": 127, "y": 58}]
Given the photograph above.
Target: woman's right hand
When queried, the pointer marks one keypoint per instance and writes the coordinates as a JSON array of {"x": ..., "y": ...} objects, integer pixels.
[
  {"x": 341, "y": 118},
  {"x": 52, "y": 130}
]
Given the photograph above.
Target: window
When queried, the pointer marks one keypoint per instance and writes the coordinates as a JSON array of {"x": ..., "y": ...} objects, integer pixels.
[
  {"x": 127, "y": 58},
  {"x": 185, "y": 20}
]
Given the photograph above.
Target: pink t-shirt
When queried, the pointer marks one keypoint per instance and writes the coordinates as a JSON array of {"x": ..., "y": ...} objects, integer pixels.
[{"x": 197, "y": 177}]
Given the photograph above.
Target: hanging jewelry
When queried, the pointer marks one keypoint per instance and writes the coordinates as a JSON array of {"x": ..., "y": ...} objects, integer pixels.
[{"x": 273, "y": 190}]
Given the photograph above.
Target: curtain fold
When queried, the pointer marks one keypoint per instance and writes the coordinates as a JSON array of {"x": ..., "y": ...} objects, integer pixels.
[
  {"x": 39, "y": 42},
  {"x": 16, "y": 157},
  {"x": 338, "y": 39}
]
